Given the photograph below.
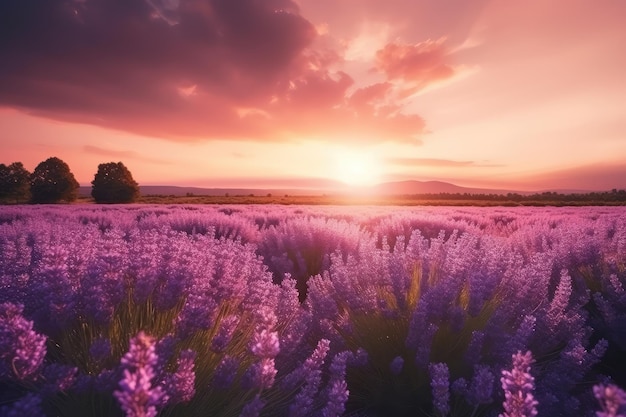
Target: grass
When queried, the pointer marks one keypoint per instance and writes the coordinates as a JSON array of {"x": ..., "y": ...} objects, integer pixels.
[
  {"x": 72, "y": 348},
  {"x": 374, "y": 388}
]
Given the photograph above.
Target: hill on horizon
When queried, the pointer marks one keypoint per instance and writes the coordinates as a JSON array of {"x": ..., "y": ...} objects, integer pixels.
[{"x": 408, "y": 187}]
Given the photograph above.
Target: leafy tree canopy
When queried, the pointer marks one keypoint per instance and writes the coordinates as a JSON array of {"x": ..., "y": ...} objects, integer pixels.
[
  {"x": 113, "y": 183},
  {"x": 14, "y": 183},
  {"x": 52, "y": 182}
]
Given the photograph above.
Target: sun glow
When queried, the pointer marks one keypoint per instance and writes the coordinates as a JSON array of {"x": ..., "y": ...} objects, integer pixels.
[{"x": 356, "y": 168}]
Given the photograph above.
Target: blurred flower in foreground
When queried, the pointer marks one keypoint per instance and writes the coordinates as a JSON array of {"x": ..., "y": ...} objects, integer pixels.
[
  {"x": 137, "y": 396},
  {"x": 518, "y": 385},
  {"x": 612, "y": 400},
  {"x": 22, "y": 350}
]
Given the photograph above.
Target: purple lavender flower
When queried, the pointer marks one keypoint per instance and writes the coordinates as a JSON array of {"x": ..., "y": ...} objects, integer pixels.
[
  {"x": 266, "y": 316},
  {"x": 481, "y": 286},
  {"x": 137, "y": 396},
  {"x": 423, "y": 350},
  {"x": 288, "y": 301},
  {"x": 29, "y": 405},
  {"x": 260, "y": 375},
  {"x": 100, "y": 350},
  {"x": 181, "y": 384},
  {"x": 440, "y": 384},
  {"x": 360, "y": 358},
  {"x": 22, "y": 350},
  {"x": 293, "y": 337},
  {"x": 253, "y": 408},
  {"x": 459, "y": 387},
  {"x": 59, "y": 377},
  {"x": 106, "y": 381},
  {"x": 15, "y": 266},
  {"x": 523, "y": 334},
  {"x": 224, "y": 335},
  {"x": 302, "y": 404},
  {"x": 164, "y": 349},
  {"x": 337, "y": 397},
  {"x": 310, "y": 372},
  {"x": 197, "y": 314},
  {"x": 557, "y": 309},
  {"x": 612, "y": 399},
  {"x": 481, "y": 387},
  {"x": 337, "y": 388},
  {"x": 55, "y": 285},
  {"x": 296, "y": 320},
  {"x": 103, "y": 283},
  {"x": 474, "y": 349},
  {"x": 265, "y": 344},
  {"x": 225, "y": 373},
  {"x": 267, "y": 373},
  {"x": 84, "y": 384},
  {"x": 144, "y": 254},
  {"x": 396, "y": 365},
  {"x": 518, "y": 385},
  {"x": 141, "y": 353}
]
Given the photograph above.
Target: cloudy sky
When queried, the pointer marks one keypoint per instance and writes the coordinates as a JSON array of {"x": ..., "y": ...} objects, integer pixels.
[{"x": 528, "y": 95}]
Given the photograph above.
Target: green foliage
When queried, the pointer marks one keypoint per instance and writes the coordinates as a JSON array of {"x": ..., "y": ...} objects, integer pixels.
[
  {"x": 52, "y": 182},
  {"x": 113, "y": 183},
  {"x": 375, "y": 387},
  {"x": 14, "y": 183},
  {"x": 72, "y": 348}
]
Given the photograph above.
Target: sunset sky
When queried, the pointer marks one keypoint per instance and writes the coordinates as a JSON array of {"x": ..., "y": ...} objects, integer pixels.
[{"x": 524, "y": 95}]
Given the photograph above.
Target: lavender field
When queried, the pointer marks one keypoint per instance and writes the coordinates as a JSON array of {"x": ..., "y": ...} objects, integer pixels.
[{"x": 312, "y": 311}]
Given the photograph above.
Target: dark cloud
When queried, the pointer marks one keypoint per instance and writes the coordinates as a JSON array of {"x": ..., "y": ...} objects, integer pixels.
[
  {"x": 117, "y": 63},
  {"x": 195, "y": 69}
]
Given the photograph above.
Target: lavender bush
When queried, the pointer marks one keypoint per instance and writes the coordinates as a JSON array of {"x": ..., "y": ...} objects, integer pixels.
[{"x": 302, "y": 311}]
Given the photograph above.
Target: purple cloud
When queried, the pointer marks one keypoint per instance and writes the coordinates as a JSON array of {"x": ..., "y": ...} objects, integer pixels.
[{"x": 183, "y": 70}]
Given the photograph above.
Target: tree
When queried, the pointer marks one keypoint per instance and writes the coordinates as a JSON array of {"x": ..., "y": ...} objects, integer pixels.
[
  {"x": 113, "y": 183},
  {"x": 52, "y": 181},
  {"x": 14, "y": 183}
]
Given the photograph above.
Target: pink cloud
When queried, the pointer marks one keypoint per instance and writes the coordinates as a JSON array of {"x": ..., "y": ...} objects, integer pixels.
[
  {"x": 430, "y": 162},
  {"x": 320, "y": 102},
  {"x": 421, "y": 63},
  {"x": 367, "y": 98},
  {"x": 116, "y": 154}
]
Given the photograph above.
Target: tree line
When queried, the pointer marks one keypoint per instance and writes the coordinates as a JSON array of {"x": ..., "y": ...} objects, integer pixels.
[
  {"x": 52, "y": 181},
  {"x": 612, "y": 196}
]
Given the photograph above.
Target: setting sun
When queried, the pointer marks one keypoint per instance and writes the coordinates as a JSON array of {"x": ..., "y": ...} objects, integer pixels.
[{"x": 356, "y": 168}]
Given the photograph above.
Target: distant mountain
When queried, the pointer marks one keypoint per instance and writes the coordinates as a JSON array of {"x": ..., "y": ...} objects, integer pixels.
[
  {"x": 168, "y": 190},
  {"x": 387, "y": 188},
  {"x": 432, "y": 187}
]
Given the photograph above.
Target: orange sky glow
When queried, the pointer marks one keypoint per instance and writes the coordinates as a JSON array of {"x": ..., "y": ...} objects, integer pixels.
[{"x": 303, "y": 93}]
